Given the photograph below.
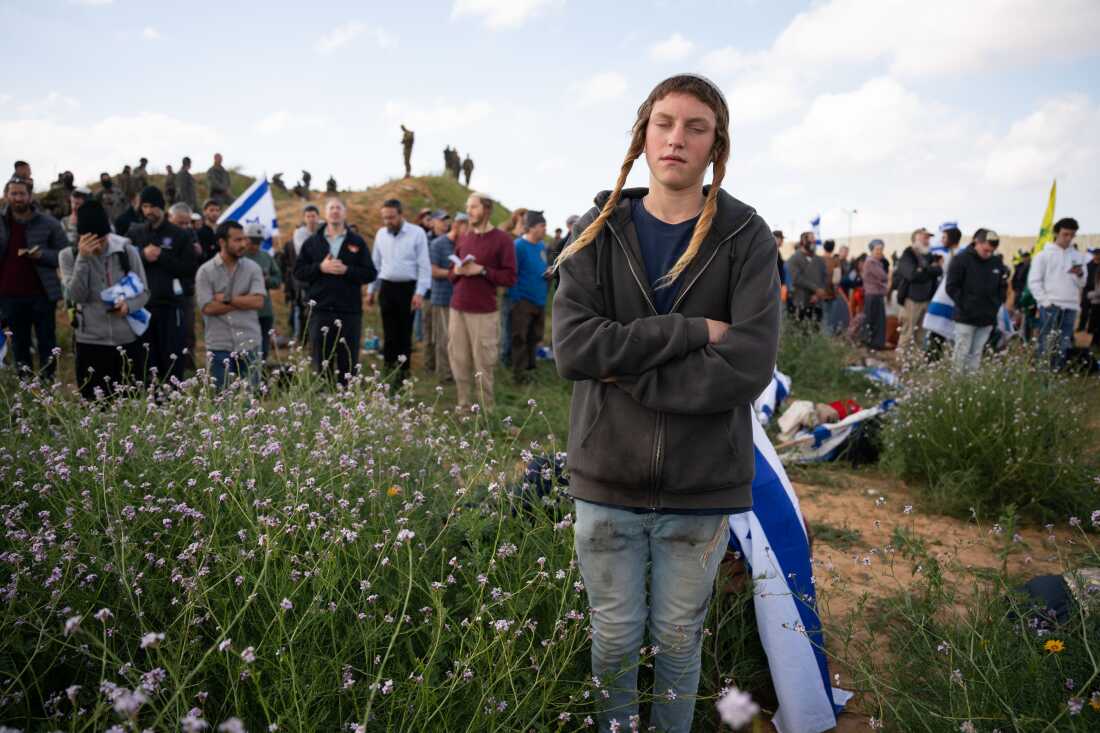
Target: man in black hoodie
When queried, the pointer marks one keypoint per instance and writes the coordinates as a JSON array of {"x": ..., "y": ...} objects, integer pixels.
[
  {"x": 334, "y": 265},
  {"x": 168, "y": 257},
  {"x": 977, "y": 281}
]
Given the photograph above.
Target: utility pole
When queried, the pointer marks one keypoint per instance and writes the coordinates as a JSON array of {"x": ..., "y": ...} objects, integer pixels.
[{"x": 850, "y": 213}]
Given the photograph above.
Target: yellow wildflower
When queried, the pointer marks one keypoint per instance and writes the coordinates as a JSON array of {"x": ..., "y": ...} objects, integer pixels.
[
  {"x": 1055, "y": 646},
  {"x": 393, "y": 491}
]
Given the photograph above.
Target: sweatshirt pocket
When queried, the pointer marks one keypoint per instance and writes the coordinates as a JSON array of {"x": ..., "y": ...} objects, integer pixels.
[
  {"x": 611, "y": 436},
  {"x": 706, "y": 452}
]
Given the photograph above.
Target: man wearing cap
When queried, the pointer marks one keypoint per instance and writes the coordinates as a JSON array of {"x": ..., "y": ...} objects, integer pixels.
[
  {"x": 217, "y": 180},
  {"x": 273, "y": 278},
  {"x": 167, "y": 254},
  {"x": 30, "y": 242},
  {"x": 917, "y": 277},
  {"x": 977, "y": 282},
  {"x": 439, "y": 252},
  {"x": 528, "y": 295},
  {"x": 108, "y": 352},
  {"x": 230, "y": 292},
  {"x": 293, "y": 290},
  {"x": 400, "y": 256},
  {"x": 333, "y": 266},
  {"x": 1056, "y": 279}
]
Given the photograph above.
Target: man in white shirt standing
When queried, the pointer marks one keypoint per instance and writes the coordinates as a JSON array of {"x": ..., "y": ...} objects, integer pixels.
[
  {"x": 400, "y": 255},
  {"x": 1056, "y": 279}
]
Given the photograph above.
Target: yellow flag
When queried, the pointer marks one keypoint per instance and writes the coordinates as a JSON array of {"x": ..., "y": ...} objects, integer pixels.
[{"x": 1046, "y": 231}]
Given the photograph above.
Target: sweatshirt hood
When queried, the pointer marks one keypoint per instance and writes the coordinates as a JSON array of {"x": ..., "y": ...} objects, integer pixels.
[{"x": 732, "y": 213}]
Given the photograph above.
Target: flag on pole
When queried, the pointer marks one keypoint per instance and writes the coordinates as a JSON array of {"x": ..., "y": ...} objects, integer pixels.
[
  {"x": 255, "y": 206},
  {"x": 816, "y": 224},
  {"x": 773, "y": 542},
  {"x": 1046, "y": 231}
]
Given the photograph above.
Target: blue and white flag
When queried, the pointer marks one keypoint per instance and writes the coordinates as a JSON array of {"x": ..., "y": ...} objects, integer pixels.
[
  {"x": 773, "y": 542},
  {"x": 255, "y": 206},
  {"x": 881, "y": 375},
  {"x": 824, "y": 442},
  {"x": 940, "y": 316},
  {"x": 3, "y": 348},
  {"x": 816, "y": 224},
  {"x": 128, "y": 286},
  {"x": 767, "y": 404}
]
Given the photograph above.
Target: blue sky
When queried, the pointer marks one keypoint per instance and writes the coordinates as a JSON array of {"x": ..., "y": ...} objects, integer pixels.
[{"x": 913, "y": 113}]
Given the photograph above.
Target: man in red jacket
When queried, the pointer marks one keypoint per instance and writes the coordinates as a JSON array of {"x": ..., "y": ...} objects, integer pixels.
[{"x": 488, "y": 259}]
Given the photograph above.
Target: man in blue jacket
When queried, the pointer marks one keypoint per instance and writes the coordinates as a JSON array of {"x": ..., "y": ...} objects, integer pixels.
[
  {"x": 528, "y": 295},
  {"x": 30, "y": 242}
]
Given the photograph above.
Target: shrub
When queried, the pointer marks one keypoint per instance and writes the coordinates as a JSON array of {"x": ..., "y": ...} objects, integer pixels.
[
  {"x": 1008, "y": 435},
  {"x": 817, "y": 365}
]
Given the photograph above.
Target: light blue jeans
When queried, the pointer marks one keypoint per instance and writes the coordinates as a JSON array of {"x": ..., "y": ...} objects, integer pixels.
[
  {"x": 1056, "y": 332},
  {"x": 241, "y": 364},
  {"x": 969, "y": 342},
  {"x": 680, "y": 554}
]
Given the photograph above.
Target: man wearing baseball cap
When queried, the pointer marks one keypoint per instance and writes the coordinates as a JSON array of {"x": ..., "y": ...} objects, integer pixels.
[
  {"x": 273, "y": 278},
  {"x": 918, "y": 277}
]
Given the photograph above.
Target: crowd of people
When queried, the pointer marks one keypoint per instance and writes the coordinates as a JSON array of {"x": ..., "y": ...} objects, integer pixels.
[
  {"x": 437, "y": 277},
  {"x": 474, "y": 294},
  {"x": 966, "y": 295}
]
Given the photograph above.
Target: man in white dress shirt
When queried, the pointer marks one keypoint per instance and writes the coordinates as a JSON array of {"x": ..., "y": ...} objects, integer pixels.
[{"x": 400, "y": 255}]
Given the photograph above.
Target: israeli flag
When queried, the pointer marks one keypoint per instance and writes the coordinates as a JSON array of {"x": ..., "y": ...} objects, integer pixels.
[
  {"x": 128, "y": 286},
  {"x": 940, "y": 316},
  {"x": 255, "y": 206},
  {"x": 3, "y": 348},
  {"x": 816, "y": 224},
  {"x": 881, "y": 375},
  {"x": 823, "y": 443},
  {"x": 773, "y": 542},
  {"x": 767, "y": 404}
]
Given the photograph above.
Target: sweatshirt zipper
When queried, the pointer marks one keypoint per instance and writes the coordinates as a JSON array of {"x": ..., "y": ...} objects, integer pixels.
[
  {"x": 645, "y": 293},
  {"x": 713, "y": 254}
]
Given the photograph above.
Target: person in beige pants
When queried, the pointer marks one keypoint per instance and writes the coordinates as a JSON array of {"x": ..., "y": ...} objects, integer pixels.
[{"x": 488, "y": 262}]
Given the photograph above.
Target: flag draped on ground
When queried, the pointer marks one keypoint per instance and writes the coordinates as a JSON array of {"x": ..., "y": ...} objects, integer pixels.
[
  {"x": 255, "y": 206},
  {"x": 824, "y": 442},
  {"x": 773, "y": 541},
  {"x": 1046, "y": 230}
]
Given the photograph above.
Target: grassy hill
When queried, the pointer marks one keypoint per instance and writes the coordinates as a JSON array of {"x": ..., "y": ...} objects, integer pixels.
[{"x": 435, "y": 192}]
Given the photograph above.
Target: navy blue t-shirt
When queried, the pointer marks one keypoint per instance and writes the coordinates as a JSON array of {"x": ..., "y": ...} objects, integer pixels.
[{"x": 661, "y": 244}]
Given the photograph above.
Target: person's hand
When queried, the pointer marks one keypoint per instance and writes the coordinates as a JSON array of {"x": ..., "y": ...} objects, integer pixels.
[
  {"x": 470, "y": 269},
  {"x": 370, "y": 298},
  {"x": 417, "y": 302},
  {"x": 332, "y": 266},
  {"x": 549, "y": 273},
  {"x": 819, "y": 294},
  {"x": 121, "y": 309},
  {"x": 716, "y": 331},
  {"x": 151, "y": 252},
  {"x": 89, "y": 245}
]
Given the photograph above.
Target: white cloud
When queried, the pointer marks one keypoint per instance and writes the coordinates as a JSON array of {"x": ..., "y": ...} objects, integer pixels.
[
  {"x": 500, "y": 14},
  {"x": 150, "y": 33},
  {"x": 1057, "y": 138},
  {"x": 673, "y": 48},
  {"x": 726, "y": 60},
  {"x": 599, "y": 88},
  {"x": 282, "y": 120},
  {"x": 439, "y": 117},
  {"x": 878, "y": 122},
  {"x": 52, "y": 104},
  {"x": 938, "y": 36},
  {"x": 339, "y": 37},
  {"x": 87, "y": 147}
]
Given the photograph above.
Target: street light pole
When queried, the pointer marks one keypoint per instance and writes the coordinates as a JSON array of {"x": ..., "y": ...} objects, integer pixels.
[{"x": 850, "y": 213}]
